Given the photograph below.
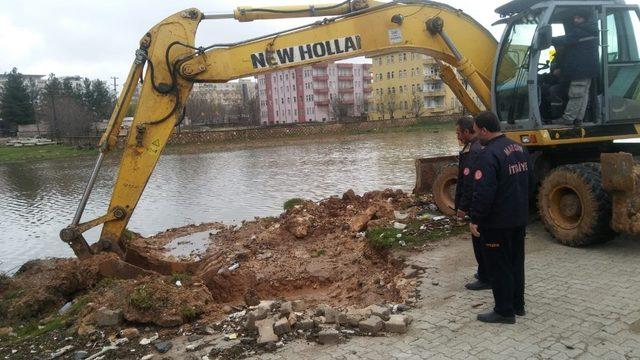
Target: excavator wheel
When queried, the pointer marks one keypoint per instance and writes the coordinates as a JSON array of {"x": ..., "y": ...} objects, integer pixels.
[
  {"x": 444, "y": 189},
  {"x": 574, "y": 207}
]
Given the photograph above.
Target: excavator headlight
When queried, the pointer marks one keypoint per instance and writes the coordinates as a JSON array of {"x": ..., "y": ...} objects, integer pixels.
[{"x": 528, "y": 139}]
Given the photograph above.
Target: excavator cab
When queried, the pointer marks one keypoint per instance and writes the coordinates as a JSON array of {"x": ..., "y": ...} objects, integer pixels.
[{"x": 524, "y": 66}]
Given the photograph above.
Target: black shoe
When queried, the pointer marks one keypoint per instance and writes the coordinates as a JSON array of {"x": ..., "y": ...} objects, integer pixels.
[
  {"x": 478, "y": 285},
  {"x": 476, "y": 276},
  {"x": 521, "y": 312},
  {"x": 495, "y": 318}
]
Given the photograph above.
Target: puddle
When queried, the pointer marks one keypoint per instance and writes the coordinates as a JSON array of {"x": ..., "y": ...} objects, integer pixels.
[{"x": 191, "y": 246}]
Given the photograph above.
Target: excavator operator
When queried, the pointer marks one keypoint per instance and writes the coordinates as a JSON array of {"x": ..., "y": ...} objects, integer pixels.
[{"x": 579, "y": 64}]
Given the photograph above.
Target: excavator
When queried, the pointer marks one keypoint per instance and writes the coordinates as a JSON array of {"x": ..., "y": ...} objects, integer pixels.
[{"x": 581, "y": 199}]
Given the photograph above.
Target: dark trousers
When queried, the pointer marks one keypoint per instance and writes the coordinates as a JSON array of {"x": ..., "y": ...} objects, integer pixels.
[
  {"x": 483, "y": 273},
  {"x": 503, "y": 251}
]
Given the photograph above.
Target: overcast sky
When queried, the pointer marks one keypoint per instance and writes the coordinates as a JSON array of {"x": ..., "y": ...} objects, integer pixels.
[{"x": 97, "y": 39}]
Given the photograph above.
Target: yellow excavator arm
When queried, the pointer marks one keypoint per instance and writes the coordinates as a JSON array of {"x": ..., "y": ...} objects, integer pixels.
[{"x": 174, "y": 64}]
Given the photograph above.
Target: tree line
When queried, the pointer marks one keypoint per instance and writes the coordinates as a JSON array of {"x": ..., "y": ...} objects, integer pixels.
[{"x": 62, "y": 107}]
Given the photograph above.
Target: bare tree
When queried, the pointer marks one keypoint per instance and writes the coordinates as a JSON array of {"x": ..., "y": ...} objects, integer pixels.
[
  {"x": 417, "y": 105},
  {"x": 67, "y": 116},
  {"x": 339, "y": 108},
  {"x": 389, "y": 104}
]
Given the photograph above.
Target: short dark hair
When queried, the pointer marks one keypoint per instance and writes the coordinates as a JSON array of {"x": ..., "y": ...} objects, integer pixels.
[
  {"x": 488, "y": 120},
  {"x": 465, "y": 123}
]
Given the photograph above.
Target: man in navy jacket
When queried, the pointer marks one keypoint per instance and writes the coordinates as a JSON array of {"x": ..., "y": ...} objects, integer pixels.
[
  {"x": 499, "y": 215},
  {"x": 464, "y": 192}
]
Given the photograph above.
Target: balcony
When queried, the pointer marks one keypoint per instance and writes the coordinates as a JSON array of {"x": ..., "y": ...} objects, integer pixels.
[
  {"x": 432, "y": 77},
  {"x": 439, "y": 92},
  {"x": 367, "y": 76},
  {"x": 321, "y": 90},
  {"x": 367, "y": 89},
  {"x": 321, "y": 102},
  {"x": 320, "y": 77},
  {"x": 345, "y": 77},
  {"x": 346, "y": 90}
]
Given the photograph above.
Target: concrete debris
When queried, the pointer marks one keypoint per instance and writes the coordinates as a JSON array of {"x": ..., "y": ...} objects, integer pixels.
[
  {"x": 397, "y": 324},
  {"x": 147, "y": 357},
  {"x": 359, "y": 223},
  {"x": 282, "y": 327},
  {"x": 328, "y": 337},
  {"x": 400, "y": 215},
  {"x": 265, "y": 332},
  {"x": 106, "y": 317},
  {"x": 162, "y": 346},
  {"x": 6, "y": 331},
  {"x": 373, "y": 325},
  {"x": 61, "y": 351},
  {"x": 380, "y": 311},
  {"x": 399, "y": 226},
  {"x": 147, "y": 341}
]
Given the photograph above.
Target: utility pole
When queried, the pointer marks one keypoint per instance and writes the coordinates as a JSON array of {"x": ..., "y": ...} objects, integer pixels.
[{"x": 115, "y": 86}]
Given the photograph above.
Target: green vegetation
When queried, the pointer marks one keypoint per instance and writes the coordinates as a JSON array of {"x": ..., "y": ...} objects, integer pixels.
[
  {"x": 291, "y": 203},
  {"x": 413, "y": 235},
  {"x": 54, "y": 322},
  {"x": 16, "y": 106},
  {"x": 142, "y": 298},
  {"x": 317, "y": 253},
  {"x": 190, "y": 313},
  {"x": 47, "y": 152},
  {"x": 182, "y": 277}
]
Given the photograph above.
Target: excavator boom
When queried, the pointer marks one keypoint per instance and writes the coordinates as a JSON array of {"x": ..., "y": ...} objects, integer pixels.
[{"x": 174, "y": 64}]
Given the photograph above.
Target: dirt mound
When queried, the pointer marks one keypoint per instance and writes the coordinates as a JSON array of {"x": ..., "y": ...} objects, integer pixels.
[
  {"x": 316, "y": 252},
  {"x": 42, "y": 285}
]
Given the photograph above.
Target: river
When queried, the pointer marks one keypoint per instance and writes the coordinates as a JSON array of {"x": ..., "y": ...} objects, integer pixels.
[{"x": 37, "y": 199}]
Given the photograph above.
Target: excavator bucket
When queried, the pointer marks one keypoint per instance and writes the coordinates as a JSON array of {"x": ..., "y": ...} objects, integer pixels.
[{"x": 438, "y": 175}]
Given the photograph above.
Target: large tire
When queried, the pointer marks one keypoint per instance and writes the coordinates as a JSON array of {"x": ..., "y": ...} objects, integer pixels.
[
  {"x": 444, "y": 189},
  {"x": 574, "y": 207}
]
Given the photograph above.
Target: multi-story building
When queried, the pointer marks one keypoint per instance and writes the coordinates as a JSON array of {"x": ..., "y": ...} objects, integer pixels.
[
  {"x": 230, "y": 93},
  {"x": 319, "y": 92},
  {"x": 406, "y": 85}
]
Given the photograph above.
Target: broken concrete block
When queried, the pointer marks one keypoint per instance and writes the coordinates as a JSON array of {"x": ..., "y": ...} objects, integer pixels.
[
  {"x": 397, "y": 324},
  {"x": 282, "y": 327},
  {"x": 250, "y": 323},
  {"x": 286, "y": 308},
  {"x": 359, "y": 222},
  {"x": 328, "y": 337},
  {"x": 354, "y": 316},
  {"x": 266, "y": 334},
  {"x": 372, "y": 325},
  {"x": 259, "y": 313},
  {"x": 305, "y": 324},
  {"x": 380, "y": 311},
  {"x": 163, "y": 346},
  {"x": 292, "y": 319},
  {"x": 106, "y": 317},
  {"x": 268, "y": 305},
  {"x": 298, "y": 305}
]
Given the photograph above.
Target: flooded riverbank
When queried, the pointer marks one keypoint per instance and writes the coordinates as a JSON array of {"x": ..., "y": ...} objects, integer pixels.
[{"x": 191, "y": 186}]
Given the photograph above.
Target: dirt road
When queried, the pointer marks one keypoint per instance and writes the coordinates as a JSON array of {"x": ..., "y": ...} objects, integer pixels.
[{"x": 581, "y": 303}]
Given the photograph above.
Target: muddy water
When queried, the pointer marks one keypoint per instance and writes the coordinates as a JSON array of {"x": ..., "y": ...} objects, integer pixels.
[{"x": 38, "y": 199}]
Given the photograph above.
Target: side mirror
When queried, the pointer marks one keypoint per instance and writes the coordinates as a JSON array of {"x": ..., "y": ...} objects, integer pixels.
[{"x": 544, "y": 38}]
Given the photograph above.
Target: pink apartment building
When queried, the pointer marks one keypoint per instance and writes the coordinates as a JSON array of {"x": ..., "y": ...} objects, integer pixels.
[{"x": 305, "y": 93}]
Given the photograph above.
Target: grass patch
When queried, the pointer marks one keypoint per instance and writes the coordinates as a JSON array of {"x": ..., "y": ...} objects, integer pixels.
[
  {"x": 412, "y": 235},
  {"x": 142, "y": 298},
  {"x": 317, "y": 253},
  {"x": 291, "y": 203},
  {"x": 47, "y": 152},
  {"x": 190, "y": 313},
  {"x": 182, "y": 277},
  {"x": 35, "y": 328}
]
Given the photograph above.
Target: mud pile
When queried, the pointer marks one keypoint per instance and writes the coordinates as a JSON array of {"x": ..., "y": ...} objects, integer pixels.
[{"x": 319, "y": 253}]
